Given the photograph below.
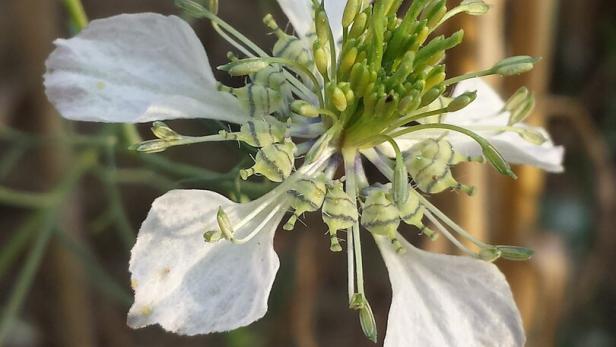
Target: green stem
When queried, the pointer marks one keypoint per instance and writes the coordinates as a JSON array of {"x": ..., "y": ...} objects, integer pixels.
[
  {"x": 19, "y": 240},
  {"x": 26, "y": 199},
  {"x": 467, "y": 76},
  {"x": 26, "y": 275},
  {"x": 413, "y": 117},
  {"x": 351, "y": 190},
  {"x": 48, "y": 223}
]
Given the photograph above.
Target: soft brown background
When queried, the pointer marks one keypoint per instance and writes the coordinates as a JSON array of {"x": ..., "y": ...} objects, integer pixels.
[{"x": 81, "y": 292}]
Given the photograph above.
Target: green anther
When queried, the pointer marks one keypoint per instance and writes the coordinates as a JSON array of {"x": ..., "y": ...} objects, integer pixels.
[
  {"x": 522, "y": 111},
  {"x": 151, "y": 146},
  {"x": 321, "y": 60},
  {"x": 212, "y": 236},
  {"x": 359, "y": 25},
  {"x": 432, "y": 95},
  {"x": 531, "y": 135},
  {"x": 475, "y": 7},
  {"x": 259, "y": 132},
  {"x": 515, "y": 253},
  {"x": 519, "y": 97},
  {"x": 275, "y": 162},
  {"x": 380, "y": 216},
  {"x": 429, "y": 163},
  {"x": 240, "y": 68},
  {"x": 412, "y": 213},
  {"x": 339, "y": 99},
  {"x": 515, "y": 65},
  {"x": 490, "y": 254},
  {"x": 338, "y": 212},
  {"x": 351, "y": 10},
  {"x": 305, "y": 109},
  {"x": 461, "y": 101},
  {"x": 224, "y": 224},
  {"x": 435, "y": 12},
  {"x": 164, "y": 132},
  {"x": 308, "y": 196}
]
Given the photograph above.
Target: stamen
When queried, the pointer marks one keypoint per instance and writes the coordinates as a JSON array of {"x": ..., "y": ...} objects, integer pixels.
[{"x": 448, "y": 235}]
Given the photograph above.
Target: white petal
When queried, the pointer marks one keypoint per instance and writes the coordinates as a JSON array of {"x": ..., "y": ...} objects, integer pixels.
[
  {"x": 442, "y": 300},
  {"x": 136, "y": 68},
  {"x": 192, "y": 287},
  {"x": 486, "y": 109},
  {"x": 301, "y": 15}
]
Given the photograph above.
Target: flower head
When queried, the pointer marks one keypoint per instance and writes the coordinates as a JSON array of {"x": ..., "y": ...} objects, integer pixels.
[{"x": 357, "y": 85}]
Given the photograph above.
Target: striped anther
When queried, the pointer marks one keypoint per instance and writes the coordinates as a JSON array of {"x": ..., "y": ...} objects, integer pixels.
[
  {"x": 275, "y": 162},
  {"x": 339, "y": 212},
  {"x": 412, "y": 213},
  {"x": 381, "y": 217},
  {"x": 429, "y": 163},
  {"x": 308, "y": 195}
]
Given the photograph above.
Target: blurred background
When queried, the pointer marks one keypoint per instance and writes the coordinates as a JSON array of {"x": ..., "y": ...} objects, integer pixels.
[{"x": 72, "y": 197}]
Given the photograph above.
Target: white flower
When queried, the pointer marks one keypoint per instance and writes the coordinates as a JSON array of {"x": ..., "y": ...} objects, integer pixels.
[{"x": 146, "y": 67}]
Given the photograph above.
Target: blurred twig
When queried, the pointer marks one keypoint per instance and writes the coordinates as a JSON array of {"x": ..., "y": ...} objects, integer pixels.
[{"x": 597, "y": 267}]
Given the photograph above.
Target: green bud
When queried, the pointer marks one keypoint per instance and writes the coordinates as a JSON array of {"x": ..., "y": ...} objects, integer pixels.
[
  {"x": 475, "y": 7},
  {"x": 351, "y": 10},
  {"x": 321, "y": 60},
  {"x": 339, "y": 99},
  {"x": 432, "y": 95},
  {"x": 515, "y": 65},
  {"x": 244, "y": 67},
  {"x": 224, "y": 224},
  {"x": 322, "y": 26},
  {"x": 489, "y": 254},
  {"x": 436, "y": 76},
  {"x": 435, "y": 13},
  {"x": 359, "y": 25},
  {"x": 163, "y": 132},
  {"x": 150, "y": 146},
  {"x": 348, "y": 59},
  {"x": 304, "y": 108},
  {"x": 437, "y": 46},
  {"x": 516, "y": 253},
  {"x": 461, "y": 101}
]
